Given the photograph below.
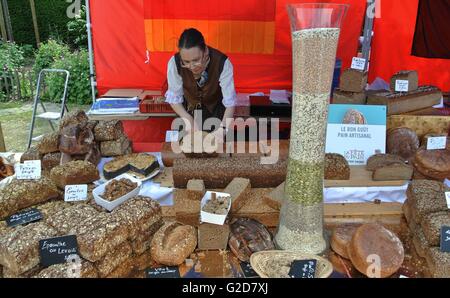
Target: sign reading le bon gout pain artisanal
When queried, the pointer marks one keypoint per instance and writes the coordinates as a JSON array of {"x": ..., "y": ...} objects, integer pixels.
[{"x": 356, "y": 131}]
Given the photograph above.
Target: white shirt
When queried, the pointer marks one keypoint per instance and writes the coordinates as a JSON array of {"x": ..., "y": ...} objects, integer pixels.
[{"x": 174, "y": 94}]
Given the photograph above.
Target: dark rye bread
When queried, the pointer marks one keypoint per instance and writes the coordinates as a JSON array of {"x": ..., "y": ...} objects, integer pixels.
[
  {"x": 139, "y": 163},
  {"x": 433, "y": 163},
  {"x": 219, "y": 172},
  {"x": 402, "y": 141},
  {"x": 438, "y": 262},
  {"x": 380, "y": 160},
  {"x": 393, "y": 172},
  {"x": 336, "y": 167},
  {"x": 353, "y": 80}
]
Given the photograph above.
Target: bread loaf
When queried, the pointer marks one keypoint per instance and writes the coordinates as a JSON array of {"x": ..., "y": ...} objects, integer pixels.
[
  {"x": 20, "y": 194},
  {"x": 398, "y": 171},
  {"x": 143, "y": 261},
  {"x": 19, "y": 251},
  {"x": 77, "y": 117},
  {"x": 96, "y": 236},
  {"x": 353, "y": 80},
  {"x": 108, "y": 130},
  {"x": 31, "y": 154},
  {"x": 187, "y": 210},
  {"x": 238, "y": 190},
  {"x": 196, "y": 189},
  {"x": 425, "y": 197},
  {"x": 275, "y": 198},
  {"x": 381, "y": 160},
  {"x": 402, "y": 141},
  {"x": 115, "y": 148},
  {"x": 432, "y": 224},
  {"x": 336, "y": 167},
  {"x": 113, "y": 259},
  {"x": 341, "y": 237},
  {"x": 87, "y": 270},
  {"x": 406, "y": 75},
  {"x": 124, "y": 270},
  {"x": 341, "y": 265},
  {"x": 433, "y": 163},
  {"x": 248, "y": 236},
  {"x": 28, "y": 274},
  {"x": 49, "y": 143},
  {"x": 373, "y": 239},
  {"x": 438, "y": 262},
  {"x": 143, "y": 241},
  {"x": 219, "y": 172},
  {"x": 211, "y": 237},
  {"x": 346, "y": 97},
  {"x": 76, "y": 139},
  {"x": 74, "y": 172},
  {"x": 64, "y": 220},
  {"x": 173, "y": 243},
  {"x": 138, "y": 214},
  {"x": 51, "y": 160},
  {"x": 421, "y": 244}
]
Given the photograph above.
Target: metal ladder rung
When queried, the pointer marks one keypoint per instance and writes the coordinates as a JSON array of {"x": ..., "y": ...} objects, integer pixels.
[{"x": 49, "y": 116}]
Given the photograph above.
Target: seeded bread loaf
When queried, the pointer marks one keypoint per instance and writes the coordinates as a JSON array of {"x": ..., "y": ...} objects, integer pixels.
[
  {"x": 19, "y": 250},
  {"x": 87, "y": 270},
  {"x": 143, "y": 241},
  {"x": 374, "y": 239},
  {"x": 66, "y": 219},
  {"x": 421, "y": 244},
  {"x": 31, "y": 154},
  {"x": 238, "y": 189},
  {"x": 20, "y": 194},
  {"x": 116, "y": 147},
  {"x": 402, "y": 141},
  {"x": 431, "y": 225},
  {"x": 212, "y": 237},
  {"x": 108, "y": 130},
  {"x": 96, "y": 236},
  {"x": 49, "y": 143},
  {"x": 336, "y": 167},
  {"x": 425, "y": 197},
  {"x": 28, "y": 274},
  {"x": 113, "y": 259},
  {"x": 74, "y": 172},
  {"x": 173, "y": 243},
  {"x": 219, "y": 172},
  {"x": 138, "y": 214},
  {"x": 143, "y": 261},
  {"x": 438, "y": 262},
  {"x": 123, "y": 270},
  {"x": 51, "y": 160},
  {"x": 77, "y": 117},
  {"x": 380, "y": 160}
]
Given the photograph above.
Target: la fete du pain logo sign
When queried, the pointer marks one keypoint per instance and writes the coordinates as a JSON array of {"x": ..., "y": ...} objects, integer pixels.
[{"x": 356, "y": 131}]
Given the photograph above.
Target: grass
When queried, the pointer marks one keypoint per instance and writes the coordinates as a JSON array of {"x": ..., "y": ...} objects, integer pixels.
[{"x": 15, "y": 119}]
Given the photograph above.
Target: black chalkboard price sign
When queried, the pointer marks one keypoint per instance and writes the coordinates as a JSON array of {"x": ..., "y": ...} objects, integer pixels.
[
  {"x": 57, "y": 250},
  {"x": 303, "y": 269},
  {"x": 248, "y": 270},
  {"x": 24, "y": 217},
  {"x": 445, "y": 239},
  {"x": 163, "y": 272}
]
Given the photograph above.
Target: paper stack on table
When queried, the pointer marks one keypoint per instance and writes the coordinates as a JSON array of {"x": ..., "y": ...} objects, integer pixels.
[{"x": 115, "y": 106}]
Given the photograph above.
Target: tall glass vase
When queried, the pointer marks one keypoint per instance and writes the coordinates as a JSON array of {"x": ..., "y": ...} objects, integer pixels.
[{"x": 315, "y": 34}]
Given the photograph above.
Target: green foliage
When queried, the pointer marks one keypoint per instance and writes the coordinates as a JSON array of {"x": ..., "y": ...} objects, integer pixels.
[
  {"x": 11, "y": 56},
  {"x": 79, "y": 84},
  {"x": 77, "y": 32},
  {"x": 48, "y": 53}
]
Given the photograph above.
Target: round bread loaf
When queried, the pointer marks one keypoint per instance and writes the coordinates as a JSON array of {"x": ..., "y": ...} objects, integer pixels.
[
  {"x": 247, "y": 237},
  {"x": 402, "y": 141},
  {"x": 434, "y": 164},
  {"x": 342, "y": 265},
  {"x": 341, "y": 237},
  {"x": 336, "y": 167},
  {"x": 372, "y": 243},
  {"x": 173, "y": 243}
]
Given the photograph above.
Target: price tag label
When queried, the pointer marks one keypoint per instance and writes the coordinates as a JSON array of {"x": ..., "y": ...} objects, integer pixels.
[
  {"x": 401, "y": 86},
  {"x": 445, "y": 239},
  {"x": 447, "y": 197},
  {"x": 57, "y": 250},
  {"x": 75, "y": 193},
  {"x": 248, "y": 270},
  {"x": 358, "y": 63},
  {"x": 25, "y": 217},
  {"x": 303, "y": 269},
  {"x": 172, "y": 136},
  {"x": 29, "y": 170},
  {"x": 436, "y": 143},
  {"x": 163, "y": 272}
]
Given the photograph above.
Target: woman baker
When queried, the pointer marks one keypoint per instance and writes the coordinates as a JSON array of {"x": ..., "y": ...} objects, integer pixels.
[{"x": 200, "y": 78}]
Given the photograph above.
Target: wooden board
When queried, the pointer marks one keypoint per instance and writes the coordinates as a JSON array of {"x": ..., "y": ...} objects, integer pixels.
[
  {"x": 360, "y": 177},
  {"x": 2, "y": 140}
]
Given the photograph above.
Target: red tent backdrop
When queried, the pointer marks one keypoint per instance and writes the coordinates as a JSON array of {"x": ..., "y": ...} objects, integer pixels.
[
  {"x": 123, "y": 31},
  {"x": 392, "y": 44}
]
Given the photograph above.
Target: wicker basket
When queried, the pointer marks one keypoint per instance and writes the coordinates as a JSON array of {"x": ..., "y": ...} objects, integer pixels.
[{"x": 261, "y": 265}]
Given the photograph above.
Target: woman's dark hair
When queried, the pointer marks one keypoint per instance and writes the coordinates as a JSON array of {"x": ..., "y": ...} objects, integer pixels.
[{"x": 191, "y": 38}]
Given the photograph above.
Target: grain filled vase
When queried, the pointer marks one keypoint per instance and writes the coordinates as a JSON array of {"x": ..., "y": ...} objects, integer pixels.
[{"x": 315, "y": 34}]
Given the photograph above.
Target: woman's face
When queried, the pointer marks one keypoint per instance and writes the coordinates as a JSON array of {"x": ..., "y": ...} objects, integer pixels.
[{"x": 193, "y": 59}]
